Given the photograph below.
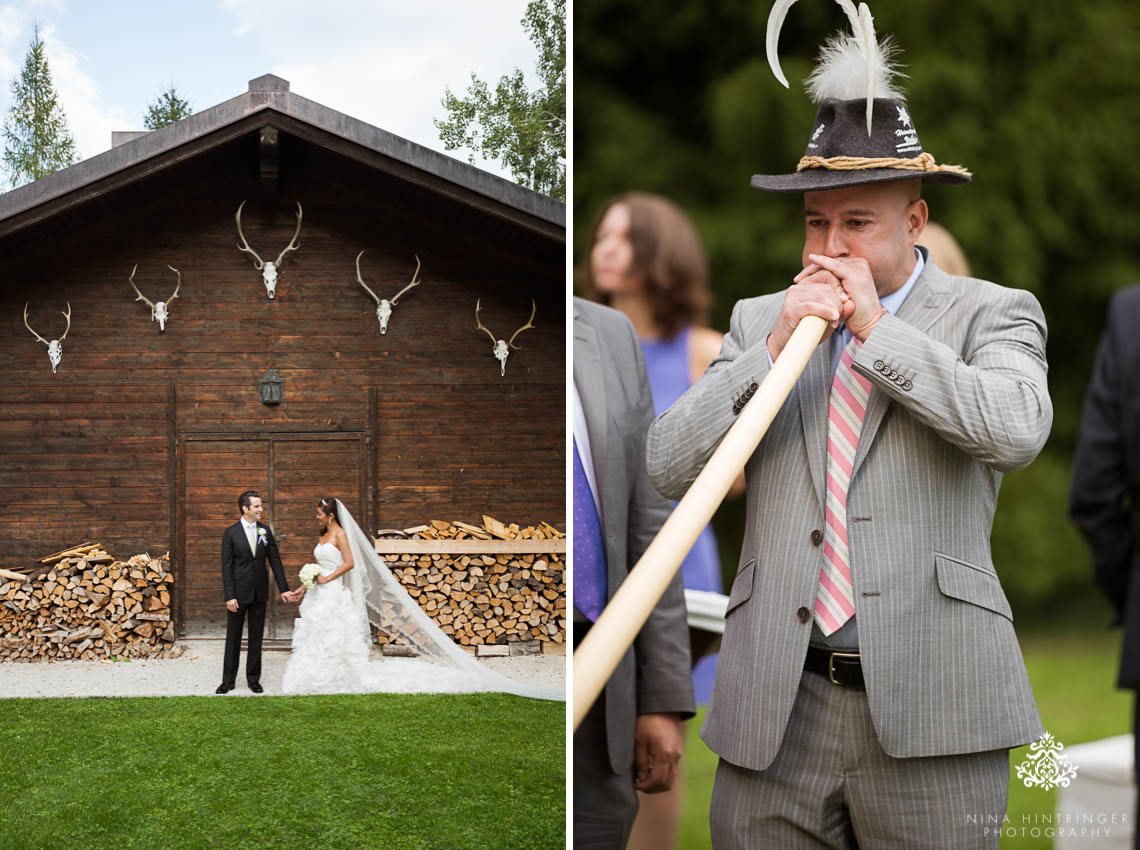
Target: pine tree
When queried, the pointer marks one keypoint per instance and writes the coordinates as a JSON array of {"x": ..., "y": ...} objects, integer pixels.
[
  {"x": 525, "y": 129},
  {"x": 167, "y": 109},
  {"x": 36, "y": 139}
]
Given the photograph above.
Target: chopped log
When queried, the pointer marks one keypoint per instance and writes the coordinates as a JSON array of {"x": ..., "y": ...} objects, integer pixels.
[
  {"x": 473, "y": 530},
  {"x": 66, "y": 553},
  {"x": 495, "y": 527},
  {"x": 145, "y": 629}
]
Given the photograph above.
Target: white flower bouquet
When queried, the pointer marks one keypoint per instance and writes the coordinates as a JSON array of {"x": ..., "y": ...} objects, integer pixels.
[{"x": 308, "y": 575}]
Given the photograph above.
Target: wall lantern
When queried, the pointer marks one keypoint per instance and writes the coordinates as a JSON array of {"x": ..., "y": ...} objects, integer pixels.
[{"x": 270, "y": 387}]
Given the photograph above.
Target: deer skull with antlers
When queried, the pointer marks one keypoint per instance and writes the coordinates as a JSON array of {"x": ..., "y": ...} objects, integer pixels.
[
  {"x": 502, "y": 347},
  {"x": 55, "y": 347},
  {"x": 268, "y": 270},
  {"x": 159, "y": 312},
  {"x": 384, "y": 306}
]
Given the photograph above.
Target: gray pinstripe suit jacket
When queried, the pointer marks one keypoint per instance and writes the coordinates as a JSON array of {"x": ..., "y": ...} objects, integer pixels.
[{"x": 958, "y": 397}]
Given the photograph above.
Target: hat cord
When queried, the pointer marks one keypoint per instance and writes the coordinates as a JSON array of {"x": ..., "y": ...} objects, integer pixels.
[{"x": 923, "y": 162}]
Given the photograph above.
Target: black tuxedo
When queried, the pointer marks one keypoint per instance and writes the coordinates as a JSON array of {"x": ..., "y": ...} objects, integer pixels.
[
  {"x": 1104, "y": 500},
  {"x": 245, "y": 579}
]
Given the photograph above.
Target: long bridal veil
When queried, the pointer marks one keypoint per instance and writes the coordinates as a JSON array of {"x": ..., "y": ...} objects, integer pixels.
[{"x": 381, "y": 600}]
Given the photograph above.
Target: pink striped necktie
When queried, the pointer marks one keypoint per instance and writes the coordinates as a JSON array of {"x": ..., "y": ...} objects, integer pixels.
[{"x": 835, "y": 604}]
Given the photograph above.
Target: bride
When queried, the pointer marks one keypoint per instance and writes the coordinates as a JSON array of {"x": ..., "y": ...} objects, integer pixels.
[{"x": 332, "y": 638}]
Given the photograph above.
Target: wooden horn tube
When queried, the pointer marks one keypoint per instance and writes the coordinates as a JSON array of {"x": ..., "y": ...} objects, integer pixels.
[{"x": 613, "y": 633}]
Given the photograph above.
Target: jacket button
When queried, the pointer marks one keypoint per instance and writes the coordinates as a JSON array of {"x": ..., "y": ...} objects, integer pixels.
[
  {"x": 803, "y": 615},
  {"x": 908, "y": 386},
  {"x": 879, "y": 365},
  {"x": 816, "y": 537},
  {"x": 753, "y": 387}
]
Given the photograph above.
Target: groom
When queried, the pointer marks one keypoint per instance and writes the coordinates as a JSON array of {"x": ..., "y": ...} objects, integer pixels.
[{"x": 245, "y": 546}]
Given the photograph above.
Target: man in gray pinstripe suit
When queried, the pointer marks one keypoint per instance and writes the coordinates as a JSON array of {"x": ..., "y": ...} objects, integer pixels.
[{"x": 870, "y": 683}]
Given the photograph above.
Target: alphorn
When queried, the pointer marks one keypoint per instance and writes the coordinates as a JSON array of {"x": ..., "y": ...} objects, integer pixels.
[{"x": 617, "y": 626}]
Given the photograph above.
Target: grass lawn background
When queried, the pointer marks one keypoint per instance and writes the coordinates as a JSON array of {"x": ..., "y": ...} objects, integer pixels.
[
  {"x": 1073, "y": 676},
  {"x": 380, "y": 770}
]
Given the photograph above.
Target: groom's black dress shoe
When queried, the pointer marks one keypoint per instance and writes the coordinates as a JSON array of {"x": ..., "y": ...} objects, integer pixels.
[
  {"x": 224, "y": 688},
  {"x": 256, "y": 688}
]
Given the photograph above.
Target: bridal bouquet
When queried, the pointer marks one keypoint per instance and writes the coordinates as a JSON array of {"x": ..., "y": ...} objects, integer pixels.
[{"x": 308, "y": 575}]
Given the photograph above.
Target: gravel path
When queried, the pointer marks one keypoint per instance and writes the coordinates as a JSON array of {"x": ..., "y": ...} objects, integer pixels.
[{"x": 199, "y": 671}]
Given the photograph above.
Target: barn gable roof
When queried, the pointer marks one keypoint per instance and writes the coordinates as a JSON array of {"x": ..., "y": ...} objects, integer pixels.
[{"x": 268, "y": 101}]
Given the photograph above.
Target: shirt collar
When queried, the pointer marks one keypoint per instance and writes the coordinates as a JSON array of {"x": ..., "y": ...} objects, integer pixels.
[
  {"x": 893, "y": 301},
  {"x": 248, "y": 524}
]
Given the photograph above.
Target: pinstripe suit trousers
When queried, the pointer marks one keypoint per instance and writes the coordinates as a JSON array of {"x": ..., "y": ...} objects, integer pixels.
[{"x": 833, "y": 786}]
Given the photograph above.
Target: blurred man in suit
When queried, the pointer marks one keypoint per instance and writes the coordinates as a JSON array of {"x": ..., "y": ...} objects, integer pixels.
[
  {"x": 631, "y": 738},
  {"x": 1104, "y": 500}
]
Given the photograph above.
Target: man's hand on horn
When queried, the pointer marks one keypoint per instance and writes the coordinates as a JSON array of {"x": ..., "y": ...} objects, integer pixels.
[
  {"x": 855, "y": 278},
  {"x": 815, "y": 292}
]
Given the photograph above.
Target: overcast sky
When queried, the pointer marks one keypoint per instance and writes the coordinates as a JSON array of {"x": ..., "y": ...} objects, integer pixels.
[{"x": 386, "y": 62}]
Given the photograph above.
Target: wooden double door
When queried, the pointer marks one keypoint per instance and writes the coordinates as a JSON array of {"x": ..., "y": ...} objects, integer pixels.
[{"x": 292, "y": 472}]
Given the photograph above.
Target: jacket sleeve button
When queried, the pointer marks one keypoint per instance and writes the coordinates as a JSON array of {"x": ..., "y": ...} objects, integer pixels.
[
  {"x": 908, "y": 386},
  {"x": 804, "y": 615},
  {"x": 879, "y": 365}
]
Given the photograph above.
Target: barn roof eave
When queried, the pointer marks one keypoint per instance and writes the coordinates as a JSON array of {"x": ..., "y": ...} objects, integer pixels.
[{"x": 269, "y": 94}]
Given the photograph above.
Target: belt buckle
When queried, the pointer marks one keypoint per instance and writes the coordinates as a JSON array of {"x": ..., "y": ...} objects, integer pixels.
[{"x": 831, "y": 664}]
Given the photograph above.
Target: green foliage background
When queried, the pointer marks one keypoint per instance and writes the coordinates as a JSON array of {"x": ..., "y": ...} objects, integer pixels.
[
  {"x": 1039, "y": 98},
  {"x": 525, "y": 130}
]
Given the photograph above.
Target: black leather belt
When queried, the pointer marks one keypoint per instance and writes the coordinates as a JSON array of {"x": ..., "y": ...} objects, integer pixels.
[{"x": 838, "y": 666}]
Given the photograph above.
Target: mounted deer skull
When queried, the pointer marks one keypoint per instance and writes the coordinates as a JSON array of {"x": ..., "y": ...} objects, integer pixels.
[
  {"x": 268, "y": 270},
  {"x": 383, "y": 306},
  {"x": 159, "y": 312},
  {"x": 55, "y": 347},
  {"x": 501, "y": 349}
]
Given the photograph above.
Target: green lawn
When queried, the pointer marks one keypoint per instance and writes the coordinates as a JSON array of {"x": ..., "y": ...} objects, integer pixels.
[
  {"x": 382, "y": 770},
  {"x": 1072, "y": 676}
]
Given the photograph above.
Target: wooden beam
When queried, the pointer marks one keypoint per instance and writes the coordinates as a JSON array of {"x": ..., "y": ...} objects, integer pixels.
[
  {"x": 269, "y": 162},
  {"x": 469, "y": 547},
  {"x": 172, "y": 483}
]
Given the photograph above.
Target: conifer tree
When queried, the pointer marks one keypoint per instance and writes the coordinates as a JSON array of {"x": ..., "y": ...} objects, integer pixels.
[
  {"x": 167, "y": 109},
  {"x": 36, "y": 138}
]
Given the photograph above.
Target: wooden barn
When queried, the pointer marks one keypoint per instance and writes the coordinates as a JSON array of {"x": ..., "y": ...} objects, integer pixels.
[{"x": 143, "y": 438}]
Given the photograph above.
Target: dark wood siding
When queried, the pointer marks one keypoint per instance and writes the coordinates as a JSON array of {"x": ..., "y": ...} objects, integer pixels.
[{"x": 86, "y": 454}]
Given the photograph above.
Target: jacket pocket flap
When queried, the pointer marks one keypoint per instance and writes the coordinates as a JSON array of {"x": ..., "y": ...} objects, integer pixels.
[
  {"x": 741, "y": 586},
  {"x": 970, "y": 583}
]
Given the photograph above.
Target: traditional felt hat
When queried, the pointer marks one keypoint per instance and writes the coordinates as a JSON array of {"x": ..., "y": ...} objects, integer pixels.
[{"x": 863, "y": 132}]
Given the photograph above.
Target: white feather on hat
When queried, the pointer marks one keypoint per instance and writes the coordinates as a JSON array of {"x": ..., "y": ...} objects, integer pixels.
[{"x": 850, "y": 65}]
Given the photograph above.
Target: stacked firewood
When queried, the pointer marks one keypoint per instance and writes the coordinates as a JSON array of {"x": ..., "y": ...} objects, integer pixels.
[
  {"x": 483, "y": 599},
  {"x": 81, "y": 603}
]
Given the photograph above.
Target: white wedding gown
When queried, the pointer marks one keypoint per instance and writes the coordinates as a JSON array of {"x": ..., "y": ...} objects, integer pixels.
[
  {"x": 330, "y": 651},
  {"x": 332, "y": 637}
]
